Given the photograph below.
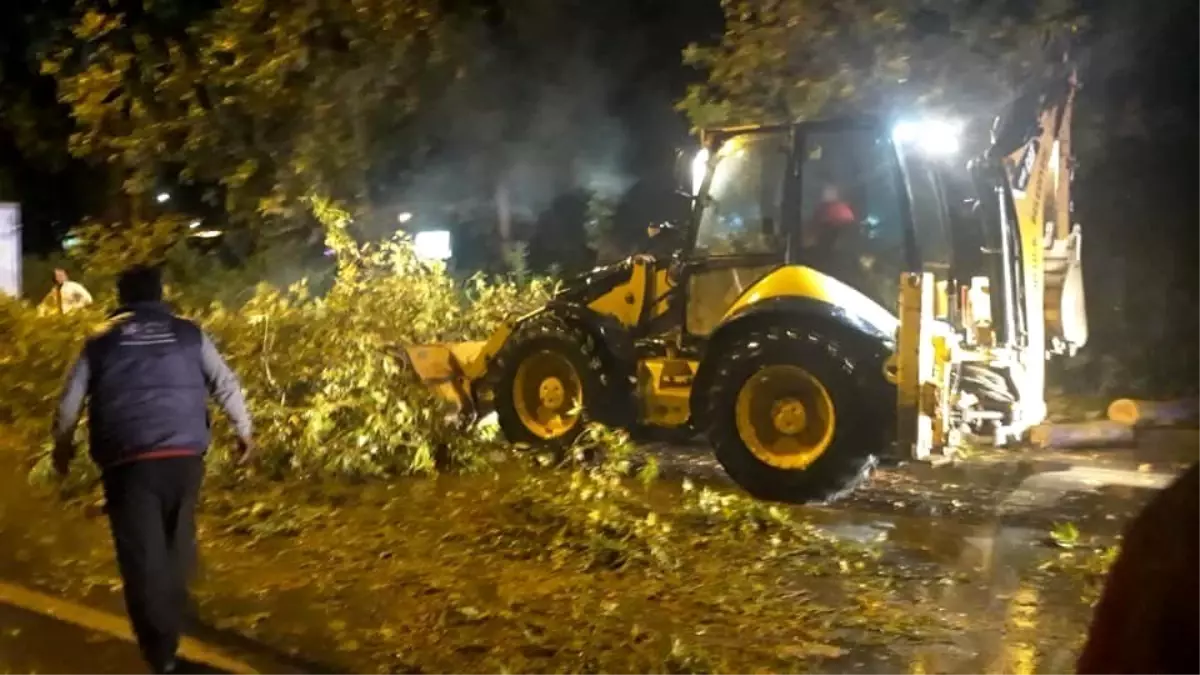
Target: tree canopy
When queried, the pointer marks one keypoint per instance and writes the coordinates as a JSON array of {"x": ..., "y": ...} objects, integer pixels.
[
  {"x": 784, "y": 60},
  {"x": 258, "y": 101},
  {"x": 469, "y": 110}
]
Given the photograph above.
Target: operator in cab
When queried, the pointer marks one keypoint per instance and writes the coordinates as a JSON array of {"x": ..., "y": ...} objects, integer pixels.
[
  {"x": 833, "y": 214},
  {"x": 832, "y": 238},
  {"x": 831, "y": 219}
]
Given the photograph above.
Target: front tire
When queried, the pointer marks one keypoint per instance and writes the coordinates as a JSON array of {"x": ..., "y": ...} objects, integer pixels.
[
  {"x": 793, "y": 418},
  {"x": 545, "y": 380}
]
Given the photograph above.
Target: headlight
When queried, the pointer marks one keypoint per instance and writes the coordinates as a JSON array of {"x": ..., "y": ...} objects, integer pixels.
[
  {"x": 939, "y": 138},
  {"x": 432, "y": 245},
  {"x": 699, "y": 167}
]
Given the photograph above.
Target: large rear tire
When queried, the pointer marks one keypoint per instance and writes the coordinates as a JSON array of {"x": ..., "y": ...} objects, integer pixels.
[
  {"x": 545, "y": 382},
  {"x": 790, "y": 417}
]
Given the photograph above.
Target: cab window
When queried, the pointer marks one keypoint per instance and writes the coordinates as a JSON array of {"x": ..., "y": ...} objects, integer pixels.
[
  {"x": 744, "y": 203},
  {"x": 931, "y": 218},
  {"x": 851, "y": 223}
]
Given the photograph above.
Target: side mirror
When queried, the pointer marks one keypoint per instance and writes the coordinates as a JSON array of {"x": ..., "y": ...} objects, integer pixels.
[
  {"x": 658, "y": 228},
  {"x": 664, "y": 238}
]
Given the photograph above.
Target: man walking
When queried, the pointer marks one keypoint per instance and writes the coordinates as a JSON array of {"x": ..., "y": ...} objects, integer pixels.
[{"x": 147, "y": 379}]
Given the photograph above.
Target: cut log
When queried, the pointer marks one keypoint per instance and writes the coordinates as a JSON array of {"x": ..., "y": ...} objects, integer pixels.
[
  {"x": 1182, "y": 412},
  {"x": 1081, "y": 435}
]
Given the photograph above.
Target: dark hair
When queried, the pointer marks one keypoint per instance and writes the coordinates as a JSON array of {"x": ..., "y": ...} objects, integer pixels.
[{"x": 140, "y": 284}]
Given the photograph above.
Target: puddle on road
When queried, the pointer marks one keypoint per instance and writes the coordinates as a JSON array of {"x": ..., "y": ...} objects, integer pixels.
[
  {"x": 983, "y": 575},
  {"x": 1013, "y": 622},
  {"x": 944, "y": 525}
]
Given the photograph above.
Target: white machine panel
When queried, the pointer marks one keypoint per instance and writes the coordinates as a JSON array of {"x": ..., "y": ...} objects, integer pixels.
[{"x": 10, "y": 249}]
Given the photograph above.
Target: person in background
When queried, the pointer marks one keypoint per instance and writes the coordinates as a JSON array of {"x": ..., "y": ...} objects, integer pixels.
[
  {"x": 66, "y": 296},
  {"x": 147, "y": 379},
  {"x": 1148, "y": 617}
]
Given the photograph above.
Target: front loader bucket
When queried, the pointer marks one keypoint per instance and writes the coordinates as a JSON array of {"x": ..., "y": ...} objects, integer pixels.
[{"x": 440, "y": 367}]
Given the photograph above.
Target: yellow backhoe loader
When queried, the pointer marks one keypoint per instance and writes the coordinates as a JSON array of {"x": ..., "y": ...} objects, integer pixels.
[{"x": 845, "y": 289}]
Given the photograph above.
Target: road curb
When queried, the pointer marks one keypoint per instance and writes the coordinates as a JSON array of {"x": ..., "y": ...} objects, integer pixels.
[{"x": 190, "y": 649}]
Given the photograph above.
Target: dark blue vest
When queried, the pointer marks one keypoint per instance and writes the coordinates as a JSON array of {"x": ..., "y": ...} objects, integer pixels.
[{"x": 147, "y": 389}]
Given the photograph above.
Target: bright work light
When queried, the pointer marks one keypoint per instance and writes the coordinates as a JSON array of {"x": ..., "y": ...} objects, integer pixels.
[
  {"x": 699, "y": 167},
  {"x": 432, "y": 245},
  {"x": 935, "y": 137}
]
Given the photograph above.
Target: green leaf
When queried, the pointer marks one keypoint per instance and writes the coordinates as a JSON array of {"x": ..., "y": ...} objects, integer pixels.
[{"x": 1065, "y": 535}]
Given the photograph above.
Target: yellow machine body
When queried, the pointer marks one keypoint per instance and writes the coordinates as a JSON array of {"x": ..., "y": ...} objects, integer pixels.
[
  {"x": 651, "y": 332},
  {"x": 664, "y": 383},
  {"x": 664, "y": 388},
  {"x": 799, "y": 281}
]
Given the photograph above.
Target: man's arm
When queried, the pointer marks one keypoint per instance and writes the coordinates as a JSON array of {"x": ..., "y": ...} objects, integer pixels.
[
  {"x": 70, "y": 405},
  {"x": 224, "y": 387}
]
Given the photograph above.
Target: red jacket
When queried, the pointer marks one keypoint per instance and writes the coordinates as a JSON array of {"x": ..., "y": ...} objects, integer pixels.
[{"x": 834, "y": 214}]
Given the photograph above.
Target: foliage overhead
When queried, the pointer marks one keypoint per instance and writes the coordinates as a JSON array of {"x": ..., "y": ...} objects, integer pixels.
[
  {"x": 268, "y": 100},
  {"x": 785, "y": 60}
]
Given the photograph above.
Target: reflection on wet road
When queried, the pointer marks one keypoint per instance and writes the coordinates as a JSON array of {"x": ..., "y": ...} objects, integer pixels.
[{"x": 987, "y": 520}]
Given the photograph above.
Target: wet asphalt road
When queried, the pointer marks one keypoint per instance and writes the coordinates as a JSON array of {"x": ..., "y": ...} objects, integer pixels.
[
  {"x": 34, "y": 643},
  {"x": 984, "y": 509},
  {"x": 1100, "y": 488}
]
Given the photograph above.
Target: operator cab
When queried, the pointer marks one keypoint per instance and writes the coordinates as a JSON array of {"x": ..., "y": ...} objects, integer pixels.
[{"x": 858, "y": 200}]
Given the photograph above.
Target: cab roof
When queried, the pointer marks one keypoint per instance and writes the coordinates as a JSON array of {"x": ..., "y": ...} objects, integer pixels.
[{"x": 708, "y": 134}]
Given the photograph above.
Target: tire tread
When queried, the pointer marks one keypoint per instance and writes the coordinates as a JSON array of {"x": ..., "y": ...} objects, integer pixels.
[{"x": 846, "y": 464}]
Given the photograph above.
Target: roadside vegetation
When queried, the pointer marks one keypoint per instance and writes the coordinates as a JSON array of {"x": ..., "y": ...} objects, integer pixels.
[
  {"x": 329, "y": 394},
  {"x": 446, "y": 549}
]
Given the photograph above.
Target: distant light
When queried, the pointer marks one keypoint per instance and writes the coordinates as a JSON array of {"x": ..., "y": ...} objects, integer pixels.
[
  {"x": 163, "y": 197},
  {"x": 404, "y": 216},
  {"x": 70, "y": 242},
  {"x": 207, "y": 234},
  {"x": 432, "y": 245},
  {"x": 699, "y": 168},
  {"x": 194, "y": 224},
  {"x": 935, "y": 137}
]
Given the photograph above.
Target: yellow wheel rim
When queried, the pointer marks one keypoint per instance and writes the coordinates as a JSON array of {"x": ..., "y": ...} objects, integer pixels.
[
  {"x": 785, "y": 416},
  {"x": 547, "y": 394}
]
